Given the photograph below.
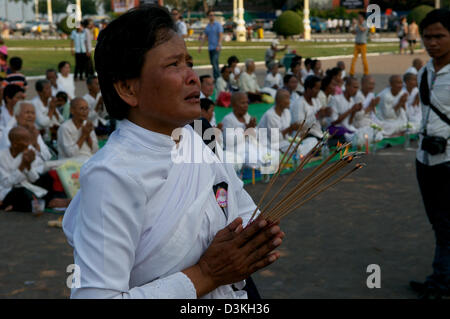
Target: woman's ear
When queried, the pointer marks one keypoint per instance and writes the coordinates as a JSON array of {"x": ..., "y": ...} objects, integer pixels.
[{"x": 128, "y": 91}]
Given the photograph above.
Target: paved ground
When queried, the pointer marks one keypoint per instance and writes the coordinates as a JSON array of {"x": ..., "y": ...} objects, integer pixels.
[{"x": 374, "y": 217}]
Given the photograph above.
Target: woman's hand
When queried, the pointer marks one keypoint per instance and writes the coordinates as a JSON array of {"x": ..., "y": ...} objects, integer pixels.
[{"x": 235, "y": 254}]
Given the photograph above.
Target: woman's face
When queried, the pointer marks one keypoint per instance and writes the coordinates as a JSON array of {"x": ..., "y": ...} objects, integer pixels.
[
  {"x": 65, "y": 70},
  {"x": 168, "y": 90}
]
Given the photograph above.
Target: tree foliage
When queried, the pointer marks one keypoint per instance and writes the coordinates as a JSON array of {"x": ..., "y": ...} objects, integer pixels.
[
  {"x": 288, "y": 23},
  {"x": 60, "y": 6},
  {"x": 419, "y": 13}
]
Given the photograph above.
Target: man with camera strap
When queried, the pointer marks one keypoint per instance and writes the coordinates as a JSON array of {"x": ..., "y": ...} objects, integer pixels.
[{"x": 433, "y": 154}]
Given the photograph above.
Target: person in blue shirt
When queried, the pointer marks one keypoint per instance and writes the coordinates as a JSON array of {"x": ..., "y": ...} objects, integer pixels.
[
  {"x": 78, "y": 48},
  {"x": 213, "y": 34}
]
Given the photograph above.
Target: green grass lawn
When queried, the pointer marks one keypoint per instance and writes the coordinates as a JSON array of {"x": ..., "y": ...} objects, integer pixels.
[{"x": 40, "y": 55}]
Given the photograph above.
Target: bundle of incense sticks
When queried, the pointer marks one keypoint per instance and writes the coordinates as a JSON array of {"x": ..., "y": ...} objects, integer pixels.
[{"x": 317, "y": 181}]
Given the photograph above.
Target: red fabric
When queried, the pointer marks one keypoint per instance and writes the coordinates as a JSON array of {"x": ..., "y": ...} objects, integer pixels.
[
  {"x": 57, "y": 186},
  {"x": 224, "y": 99}
]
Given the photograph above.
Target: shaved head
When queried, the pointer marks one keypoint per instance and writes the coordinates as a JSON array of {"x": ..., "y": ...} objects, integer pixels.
[
  {"x": 236, "y": 96},
  {"x": 18, "y": 133},
  {"x": 281, "y": 93}
]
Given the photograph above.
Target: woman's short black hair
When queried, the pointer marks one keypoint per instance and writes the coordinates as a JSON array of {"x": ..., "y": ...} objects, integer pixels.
[
  {"x": 294, "y": 63},
  {"x": 333, "y": 71},
  {"x": 121, "y": 48},
  {"x": 287, "y": 77},
  {"x": 232, "y": 59},
  {"x": 441, "y": 16},
  {"x": 10, "y": 90},
  {"x": 62, "y": 64},
  {"x": 224, "y": 68},
  {"x": 326, "y": 81},
  {"x": 206, "y": 103},
  {"x": 310, "y": 82}
]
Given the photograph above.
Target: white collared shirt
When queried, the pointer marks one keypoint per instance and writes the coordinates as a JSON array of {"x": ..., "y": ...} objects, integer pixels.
[
  {"x": 10, "y": 175},
  {"x": 95, "y": 116},
  {"x": 304, "y": 111},
  {"x": 57, "y": 89},
  {"x": 43, "y": 121},
  {"x": 440, "y": 98},
  {"x": 5, "y": 117},
  {"x": 67, "y": 84},
  {"x": 44, "y": 153},
  {"x": 339, "y": 104},
  {"x": 139, "y": 218},
  {"x": 271, "y": 120},
  {"x": 68, "y": 135},
  {"x": 248, "y": 82},
  {"x": 271, "y": 80}
]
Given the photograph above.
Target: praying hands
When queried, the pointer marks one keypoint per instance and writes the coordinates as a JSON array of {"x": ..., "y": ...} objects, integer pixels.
[{"x": 235, "y": 253}]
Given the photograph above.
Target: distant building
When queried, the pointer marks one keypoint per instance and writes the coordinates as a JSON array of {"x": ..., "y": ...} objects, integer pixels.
[
  {"x": 321, "y": 4},
  {"x": 351, "y": 4}
]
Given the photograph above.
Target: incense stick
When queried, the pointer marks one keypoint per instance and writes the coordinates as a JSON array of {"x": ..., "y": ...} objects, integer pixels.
[
  {"x": 306, "y": 186},
  {"x": 281, "y": 166},
  {"x": 358, "y": 166},
  {"x": 304, "y": 161},
  {"x": 306, "y": 178},
  {"x": 301, "y": 190}
]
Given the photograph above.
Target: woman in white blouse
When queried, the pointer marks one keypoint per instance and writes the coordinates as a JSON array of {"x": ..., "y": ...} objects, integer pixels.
[
  {"x": 146, "y": 222},
  {"x": 65, "y": 79}
]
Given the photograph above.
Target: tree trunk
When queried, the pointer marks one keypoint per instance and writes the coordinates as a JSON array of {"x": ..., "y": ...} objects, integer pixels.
[{"x": 205, "y": 6}]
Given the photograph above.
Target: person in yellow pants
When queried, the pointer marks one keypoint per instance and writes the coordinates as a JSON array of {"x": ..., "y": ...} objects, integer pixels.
[{"x": 360, "y": 30}]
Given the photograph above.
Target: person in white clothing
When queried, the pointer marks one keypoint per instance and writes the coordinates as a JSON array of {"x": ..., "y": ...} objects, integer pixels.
[
  {"x": 76, "y": 137},
  {"x": 309, "y": 108},
  {"x": 417, "y": 64},
  {"x": 18, "y": 172},
  {"x": 248, "y": 82},
  {"x": 278, "y": 117},
  {"x": 48, "y": 117},
  {"x": 341, "y": 65},
  {"x": 181, "y": 26},
  {"x": 52, "y": 76},
  {"x": 97, "y": 110},
  {"x": 366, "y": 97},
  {"x": 207, "y": 90},
  {"x": 327, "y": 90},
  {"x": 146, "y": 222},
  {"x": 413, "y": 110},
  {"x": 65, "y": 79},
  {"x": 25, "y": 116},
  {"x": 239, "y": 118},
  {"x": 344, "y": 109},
  {"x": 235, "y": 72},
  {"x": 223, "y": 82},
  {"x": 273, "y": 79},
  {"x": 393, "y": 108},
  {"x": 12, "y": 94}
]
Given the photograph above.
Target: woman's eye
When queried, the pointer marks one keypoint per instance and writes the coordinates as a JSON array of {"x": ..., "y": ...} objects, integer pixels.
[{"x": 190, "y": 64}]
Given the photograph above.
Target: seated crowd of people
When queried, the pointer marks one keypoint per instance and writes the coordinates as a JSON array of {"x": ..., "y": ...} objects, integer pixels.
[
  {"x": 346, "y": 107},
  {"x": 39, "y": 134}
]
